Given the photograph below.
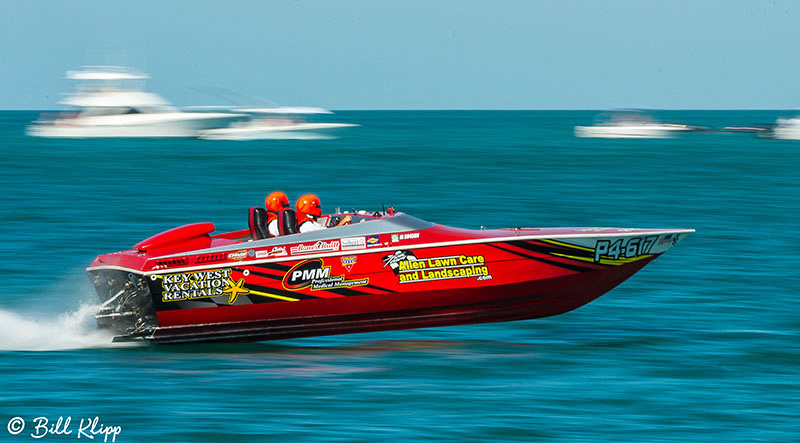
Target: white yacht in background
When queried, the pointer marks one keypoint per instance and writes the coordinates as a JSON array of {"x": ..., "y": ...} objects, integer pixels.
[
  {"x": 786, "y": 129},
  {"x": 630, "y": 125},
  {"x": 108, "y": 106},
  {"x": 277, "y": 123}
]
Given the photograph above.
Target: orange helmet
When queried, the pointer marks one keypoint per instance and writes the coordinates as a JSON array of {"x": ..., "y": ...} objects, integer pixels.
[
  {"x": 309, "y": 204},
  {"x": 276, "y": 201}
]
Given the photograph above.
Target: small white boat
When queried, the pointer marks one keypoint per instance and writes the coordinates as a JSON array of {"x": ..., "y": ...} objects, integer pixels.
[
  {"x": 630, "y": 125},
  {"x": 277, "y": 123},
  {"x": 107, "y": 106},
  {"x": 787, "y": 129}
]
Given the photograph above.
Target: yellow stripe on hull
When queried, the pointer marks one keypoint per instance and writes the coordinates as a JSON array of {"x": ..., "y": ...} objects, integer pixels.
[
  {"x": 605, "y": 261},
  {"x": 279, "y": 297},
  {"x": 567, "y": 245}
]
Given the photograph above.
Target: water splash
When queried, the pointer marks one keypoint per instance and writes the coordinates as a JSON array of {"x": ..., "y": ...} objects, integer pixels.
[{"x": 71, "y": 330}]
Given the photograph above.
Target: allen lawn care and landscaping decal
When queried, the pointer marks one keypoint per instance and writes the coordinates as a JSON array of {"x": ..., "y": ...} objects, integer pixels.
[
  {"x": 410, "y": 269},
  {"x": 201, "y": 284},
  {"x": 314, "y": 274}
]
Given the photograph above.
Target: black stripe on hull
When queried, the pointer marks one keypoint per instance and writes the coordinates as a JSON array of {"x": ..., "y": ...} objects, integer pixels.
[
  {"x": 340, "y": 291},
  {"x": 545, "y": 247},
  {"x": 551, "y": 249},
  {"x": 272, "y": 266},
  {"x": 571, "y": 267},
  {"x": 281, "y": 292}
]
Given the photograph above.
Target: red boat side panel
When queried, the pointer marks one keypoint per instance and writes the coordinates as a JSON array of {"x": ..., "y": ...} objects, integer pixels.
[
  {"x": 517, "y": 301},
  {"x": 186, "y": 237},
  {"x": 233, "y": 235},
  {"x": 377, "y": 282}
]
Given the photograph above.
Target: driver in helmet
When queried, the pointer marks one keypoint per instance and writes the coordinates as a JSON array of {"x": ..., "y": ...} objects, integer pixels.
[
  {"x": 275, "y": 203},
  {"x": 309, "y": 210}
]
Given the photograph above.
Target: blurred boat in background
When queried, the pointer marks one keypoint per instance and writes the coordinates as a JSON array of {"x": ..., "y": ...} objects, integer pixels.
[
  {"x": 629, "y": 124},
  {"x": 276, "y": 123},
  {"x": 110, "y": 106},
  {"x": 786, "y": 129},
  {"x": 752, "y": 129}
]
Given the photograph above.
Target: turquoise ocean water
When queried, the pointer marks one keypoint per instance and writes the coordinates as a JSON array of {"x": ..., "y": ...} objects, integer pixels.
[{"x": 701, "y": 345}]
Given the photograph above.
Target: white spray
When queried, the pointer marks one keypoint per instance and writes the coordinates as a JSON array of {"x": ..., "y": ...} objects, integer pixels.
[{"x": 71, "y": 330}]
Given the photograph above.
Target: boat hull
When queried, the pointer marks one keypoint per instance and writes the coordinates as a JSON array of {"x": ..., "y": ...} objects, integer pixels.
[
  {"x": 300, "y": 131},
  {"x": 308, "y": 293},
  {"x": 786, "y": 129},
  {"x": 371, "y": 313},
  {"x": 629, "y": 131},
  {"x": 174, "y": 124}
]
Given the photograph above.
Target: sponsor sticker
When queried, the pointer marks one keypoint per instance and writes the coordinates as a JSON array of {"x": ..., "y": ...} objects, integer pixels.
[
  {"x": 373, "y": 240},
  {"x": 201, "y": 284},
  {"x": 315, "y": 275},
  {"x": 351, "y": 243},
  {"x": 410, "y": 269},
  {"x": 349, "y": 261},
  {"x": 320, "y": 246},
  {"x": 277, "y": 251},
  {"x": 407, "y": 236},
  {"x": 238, "y": 255}
]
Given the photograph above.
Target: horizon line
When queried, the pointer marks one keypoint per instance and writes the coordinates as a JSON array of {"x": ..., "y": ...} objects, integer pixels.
[{"x": 486, "y": 109}]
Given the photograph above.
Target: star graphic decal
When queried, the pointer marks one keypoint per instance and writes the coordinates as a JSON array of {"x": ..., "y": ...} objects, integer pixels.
[{"x": 234, "y": 289}]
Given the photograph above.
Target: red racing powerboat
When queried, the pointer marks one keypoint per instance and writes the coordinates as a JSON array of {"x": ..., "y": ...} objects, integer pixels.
[{"x": 381, "y": 272}]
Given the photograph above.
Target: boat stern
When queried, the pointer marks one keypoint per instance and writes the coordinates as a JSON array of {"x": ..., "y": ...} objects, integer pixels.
[{"x": 127, "y": 309}]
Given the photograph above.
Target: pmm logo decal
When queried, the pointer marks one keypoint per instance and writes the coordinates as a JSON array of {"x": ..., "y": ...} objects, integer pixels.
[
  {"x": 315, "y": 274},
  {"x": 304, "y": 273}
]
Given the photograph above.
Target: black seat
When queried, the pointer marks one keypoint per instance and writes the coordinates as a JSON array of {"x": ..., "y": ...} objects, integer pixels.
[
  {"x": 257, "y": 221},
  {"x": 287, "y": 222}
]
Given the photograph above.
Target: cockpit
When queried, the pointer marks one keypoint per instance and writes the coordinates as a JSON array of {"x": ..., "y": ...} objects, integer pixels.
[
  {"x": 258, "y": 221},
  {"x": 362, "y": 223}
]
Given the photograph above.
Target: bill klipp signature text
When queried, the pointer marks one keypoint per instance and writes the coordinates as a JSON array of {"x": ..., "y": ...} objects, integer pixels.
[{"x": 88, "y": 428}]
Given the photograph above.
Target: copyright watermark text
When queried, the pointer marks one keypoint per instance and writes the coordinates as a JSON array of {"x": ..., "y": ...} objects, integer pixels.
[{"x": 41, "y": 427}]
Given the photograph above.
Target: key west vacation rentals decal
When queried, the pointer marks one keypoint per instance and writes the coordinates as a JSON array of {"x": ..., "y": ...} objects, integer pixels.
[{"x": 201, "y": 284}]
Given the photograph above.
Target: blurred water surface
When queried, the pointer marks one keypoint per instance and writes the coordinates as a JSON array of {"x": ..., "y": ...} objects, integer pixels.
[{"x": 701, "y": 345}]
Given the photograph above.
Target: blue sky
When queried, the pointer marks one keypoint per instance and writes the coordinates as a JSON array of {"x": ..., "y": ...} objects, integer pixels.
[{"x": 410, "y": 54}]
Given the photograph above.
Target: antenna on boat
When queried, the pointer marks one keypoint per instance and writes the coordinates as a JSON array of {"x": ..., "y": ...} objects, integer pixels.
[{"x": 383, "y": 208}]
